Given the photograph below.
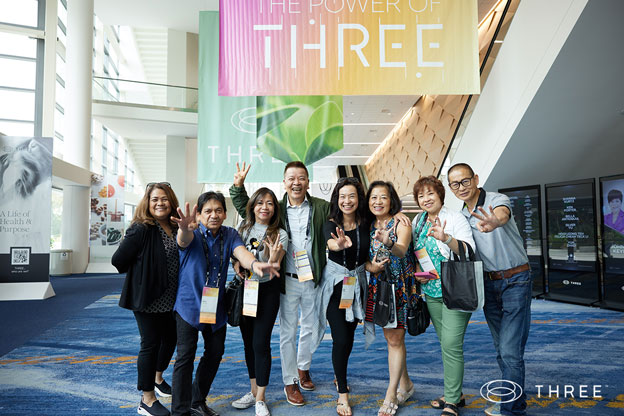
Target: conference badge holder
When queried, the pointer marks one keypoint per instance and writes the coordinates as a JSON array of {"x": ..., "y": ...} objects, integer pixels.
[
  {"x": 348, "y": 292},
  {"x": 250, "y": 297},
  {"x": 208, "y": 310},
  {"x": 302, "y": 262}
]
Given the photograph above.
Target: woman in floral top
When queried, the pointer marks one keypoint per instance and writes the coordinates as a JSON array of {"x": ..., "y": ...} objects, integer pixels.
[
  {"x": 390, "y": 240},
  {"x": 436, "y": 234}
]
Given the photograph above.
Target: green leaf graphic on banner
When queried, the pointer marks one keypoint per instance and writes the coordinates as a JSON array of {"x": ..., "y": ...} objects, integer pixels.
[{"x": 306, "y": 128}]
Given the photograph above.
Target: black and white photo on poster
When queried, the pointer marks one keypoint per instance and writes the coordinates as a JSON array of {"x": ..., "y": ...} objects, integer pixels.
[{"x": 25, "y": 193}]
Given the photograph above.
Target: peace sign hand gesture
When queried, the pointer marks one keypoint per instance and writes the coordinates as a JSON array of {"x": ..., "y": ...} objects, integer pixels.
[
  {"x": 488, "y": 222},
  {"x": 275, "y": 249},
  {"x": 241, "y": 174},
  {"x": 437, "y": 230},
  {"x": 343, "y": 241},
  {"x": 383, "y": 235},
  {"x": 186, "y": 222}
]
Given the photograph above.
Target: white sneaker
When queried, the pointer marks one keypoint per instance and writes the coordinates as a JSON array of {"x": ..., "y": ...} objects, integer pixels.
[
  {"x": 493, "y": 410},
  {"x": 262, "y": 409},
  {"x": 245, "y": 402}
]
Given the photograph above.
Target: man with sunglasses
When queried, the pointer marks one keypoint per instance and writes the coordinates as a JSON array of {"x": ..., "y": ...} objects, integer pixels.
[{"x": 507, "y": 278}]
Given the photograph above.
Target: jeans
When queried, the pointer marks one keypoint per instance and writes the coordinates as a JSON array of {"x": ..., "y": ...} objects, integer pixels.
[
  {"x": 158, "y": 341},
  {"x": 508, "y": 313},
  {"x": 187, "y": 395}
]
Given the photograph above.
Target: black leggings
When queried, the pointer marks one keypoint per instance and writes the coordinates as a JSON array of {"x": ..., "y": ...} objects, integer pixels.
[
  {"x": 158, "y": 341},
  {"x": 256, "y": 332},
  {"x": 342, "y": 333}
]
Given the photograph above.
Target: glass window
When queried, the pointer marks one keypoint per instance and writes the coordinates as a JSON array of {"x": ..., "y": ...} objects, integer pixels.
[
  {"x": 62, "y": 12},
  {"x": 59, "y": 146},
  {"x": 22, "y": 12},
  {"x": 13, "y": 128},
  {"x": 17, "y": 105},
  {"x": 17, "y": 73},
  {"x": 17, "y": 45},
  {"x": 60, "y": 66}
]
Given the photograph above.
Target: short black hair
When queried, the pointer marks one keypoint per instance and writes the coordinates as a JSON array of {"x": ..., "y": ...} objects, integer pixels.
[
  {"x": 461, "y": 165},
  {"x": 207, "y": 196},
  {"x": 395, "y": 201},
  {"x": 296, "y": 164},
  {"x": 614, "y": 194}
]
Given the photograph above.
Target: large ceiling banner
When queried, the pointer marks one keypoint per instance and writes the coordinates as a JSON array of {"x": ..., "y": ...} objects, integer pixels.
[
  {"x": 226, "y": 129},
  {"x": 348, "y": 47}
]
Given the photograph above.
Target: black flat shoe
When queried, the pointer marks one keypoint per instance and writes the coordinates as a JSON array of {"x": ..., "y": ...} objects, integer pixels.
[{"x": 442, "y": 403}]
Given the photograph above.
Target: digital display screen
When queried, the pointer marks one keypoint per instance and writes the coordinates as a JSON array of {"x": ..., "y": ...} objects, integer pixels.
[
  {"x": 526, "y": 212},
  {"x": 613, "y": 223},
  {"x": 571, "y": 227}
]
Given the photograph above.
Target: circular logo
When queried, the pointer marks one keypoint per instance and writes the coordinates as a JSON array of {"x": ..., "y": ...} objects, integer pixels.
[
  {"x": 566, "y": 282},
  {"x": 501, "y": 391},
  {"x": 244, "y": 120}
]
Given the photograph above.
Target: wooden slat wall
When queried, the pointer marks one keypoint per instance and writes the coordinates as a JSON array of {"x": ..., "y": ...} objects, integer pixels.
[{"x": 418, "y": 144}]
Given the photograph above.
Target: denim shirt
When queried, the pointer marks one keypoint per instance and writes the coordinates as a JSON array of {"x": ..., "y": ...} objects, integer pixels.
[{"x": 192, "y": 276}]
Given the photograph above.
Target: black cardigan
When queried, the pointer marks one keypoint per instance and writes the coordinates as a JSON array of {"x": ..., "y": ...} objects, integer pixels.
[{"x": 142, "y": 256}]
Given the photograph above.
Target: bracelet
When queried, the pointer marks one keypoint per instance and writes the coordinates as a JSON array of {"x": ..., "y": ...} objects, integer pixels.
[
  {"x": 448, "y": 241},
  {"x": 391, "y": 245}
]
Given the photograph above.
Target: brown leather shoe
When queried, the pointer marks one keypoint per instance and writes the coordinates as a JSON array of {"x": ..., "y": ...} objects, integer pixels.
[
  {"x": 293, "y": 395},
  {"x": 305, "y": 381}
]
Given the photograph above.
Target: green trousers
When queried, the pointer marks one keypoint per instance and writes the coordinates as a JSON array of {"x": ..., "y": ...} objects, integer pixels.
[{"x": 450, "y": 326}]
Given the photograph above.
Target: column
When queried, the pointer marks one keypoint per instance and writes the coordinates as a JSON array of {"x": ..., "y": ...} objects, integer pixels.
[
  {"x": 175, "y": 166},
  {"x": 79, "y": 67}
]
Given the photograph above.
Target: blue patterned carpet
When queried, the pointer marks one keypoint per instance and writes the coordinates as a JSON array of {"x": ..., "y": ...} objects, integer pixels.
[{"x": 86, "y": 365}]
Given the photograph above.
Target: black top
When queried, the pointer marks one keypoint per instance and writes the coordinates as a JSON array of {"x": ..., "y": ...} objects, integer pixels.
[
  {"x": 166, "y": 301},
  {"x": 338, "y": 256},
  {"x": 142, "y": 256}
]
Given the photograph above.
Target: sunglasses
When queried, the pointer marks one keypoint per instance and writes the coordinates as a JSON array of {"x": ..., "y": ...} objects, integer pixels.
[
  {"x": 149, "y": 185},
  {"x": 350, "y": 180}
]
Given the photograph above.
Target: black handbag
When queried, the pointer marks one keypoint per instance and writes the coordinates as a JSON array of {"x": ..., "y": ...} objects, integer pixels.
[
  {"x": 418, "y": 317},
  {"x": 462, "y": 281},
  {"x": 234, "y": 300},
  {"x": 384, "y": 307}
]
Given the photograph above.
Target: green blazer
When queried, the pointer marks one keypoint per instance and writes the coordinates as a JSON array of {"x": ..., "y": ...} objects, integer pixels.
[{"x": 320, "y": 213}]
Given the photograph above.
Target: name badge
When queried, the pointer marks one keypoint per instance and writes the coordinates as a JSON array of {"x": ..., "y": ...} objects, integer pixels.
[
  {"x": 302, "y": 263},
  {"x": 208, "y": 309},
  {"x": 425, "y": 261},
  {"x": 348, "y": 292},
  {"x": 250, "y": 298}
]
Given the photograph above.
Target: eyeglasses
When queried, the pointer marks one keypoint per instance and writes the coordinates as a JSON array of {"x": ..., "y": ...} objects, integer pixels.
[
  {"x": 464, "y": 182},
  {"x": 349, "y": 179},
  {"x": 149, "y": 185}
]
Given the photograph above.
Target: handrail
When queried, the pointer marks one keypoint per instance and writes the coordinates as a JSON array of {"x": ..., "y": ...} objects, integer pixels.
[{"x": 144, "y": 82}]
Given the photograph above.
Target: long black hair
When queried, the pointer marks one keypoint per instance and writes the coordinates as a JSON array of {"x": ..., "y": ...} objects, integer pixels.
[{"x": 335, "y": 214}]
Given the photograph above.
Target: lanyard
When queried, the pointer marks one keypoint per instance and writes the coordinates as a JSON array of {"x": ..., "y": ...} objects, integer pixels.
[
  {"x": 206, "y": 253},
  {"x": 307, "y": 228},
  {"x": 357, "y": 250}
]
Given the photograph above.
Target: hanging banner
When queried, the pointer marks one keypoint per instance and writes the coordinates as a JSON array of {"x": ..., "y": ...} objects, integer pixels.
[
  {"x": 226, "y": 129},
  {"x": 300, "y": 128},
  {"x": 25, "y": 198},
  {"x": 348, "y": 47}
]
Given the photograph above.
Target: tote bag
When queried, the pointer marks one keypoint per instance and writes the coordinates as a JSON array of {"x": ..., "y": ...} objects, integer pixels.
[
  {"x": 234, "y": 300},
  {"x": 384, "y": 312},
  {"x": 462, "y": 281}
]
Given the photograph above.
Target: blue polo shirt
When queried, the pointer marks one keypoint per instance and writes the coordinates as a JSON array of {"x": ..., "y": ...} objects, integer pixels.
[{"x": 192, "y": 275}]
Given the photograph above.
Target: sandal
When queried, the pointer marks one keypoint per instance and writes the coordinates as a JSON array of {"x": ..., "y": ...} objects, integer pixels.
[
  {"x": 441, "y": 403},
  {"x": 343, "y": 409},
  {"x": 403, "y": 396},
  {"x": 388, "y": 408},
  {"x": 451, "y": 406}
]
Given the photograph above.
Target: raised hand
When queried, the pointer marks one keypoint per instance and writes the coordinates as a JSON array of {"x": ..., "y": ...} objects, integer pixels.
[
  {"x": 383, "y": 235},
  {"x": 271, "y": 268},
  {"x": 437, "y": 230},
  {"x": 343, "y": 241},
  {"x": 488, "y": 222},
  {"x": 186, "y": 222},
  {"x": 241, "y": 174},
  {"x": 403, "y": 219},
  {"x": 275, "y": 248}
]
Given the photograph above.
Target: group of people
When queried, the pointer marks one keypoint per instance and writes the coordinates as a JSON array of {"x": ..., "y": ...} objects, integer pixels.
[{"x": 309, "y": 259}]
